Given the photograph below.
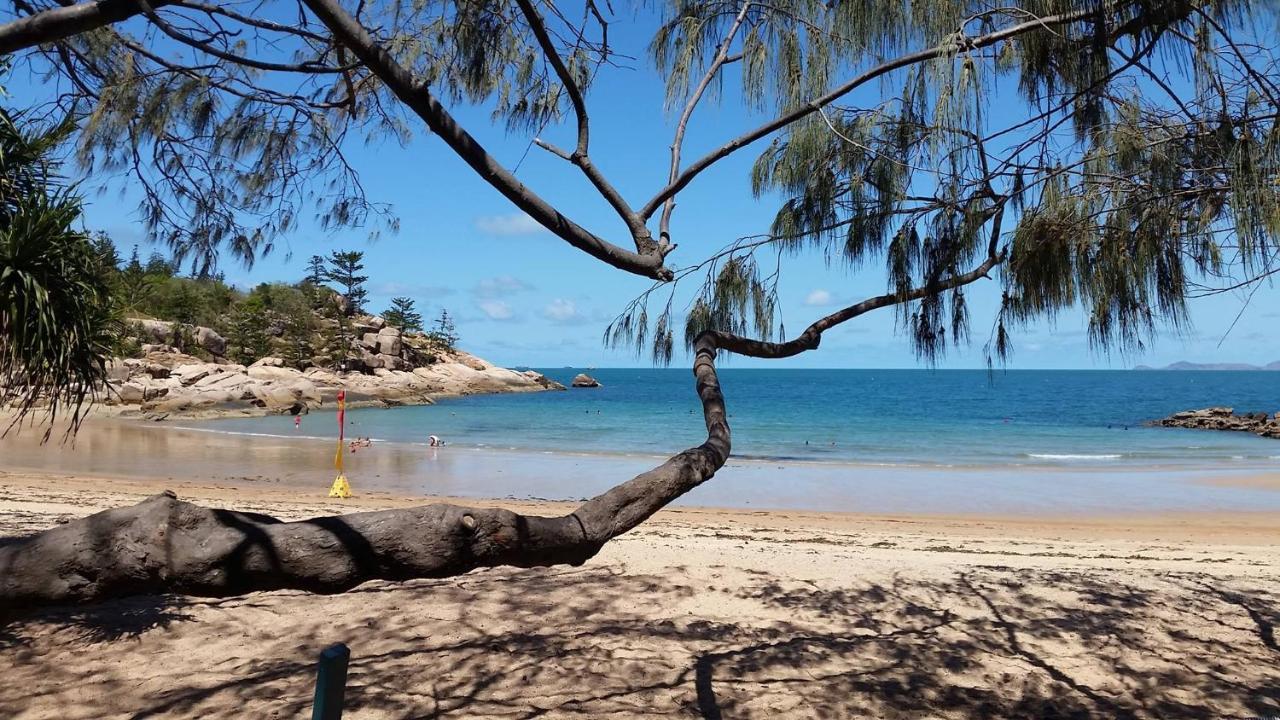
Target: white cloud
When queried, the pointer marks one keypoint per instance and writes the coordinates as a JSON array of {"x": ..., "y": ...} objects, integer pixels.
[
  {"x": 500, "y": 286},
  {"x": 818, "y": 298},
  {"x": 562, "y": 311},
  {"x": 397, "y": 288},
  {"x": 513, "y": 224},
  {"x": 496, "y": 310}
]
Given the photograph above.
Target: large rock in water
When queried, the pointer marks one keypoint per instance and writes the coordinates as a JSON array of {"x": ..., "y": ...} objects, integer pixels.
[
  {"x": 1224, "y": 418},
  {"x": 584, "y": 380}
]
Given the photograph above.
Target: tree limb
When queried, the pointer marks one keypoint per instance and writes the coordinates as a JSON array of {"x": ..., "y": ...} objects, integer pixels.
[
  {"x": 580, "y": 157},
  {"x": 684, "y": 178},
  {"x": 167, "y": 545},
  {"x": 205, "y": 47},
  {"x": 61, "y": 23},
  {"x": 417, "y": 96},
  {"x": 720, "y": 60}
]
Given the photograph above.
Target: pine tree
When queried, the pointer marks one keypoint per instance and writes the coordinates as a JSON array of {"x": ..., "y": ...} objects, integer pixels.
[
  {"x": 443, "y": 333},
  {"x": 247, "y": 338},
  {"x": 106, "y": 252},
  {"x": 134, "y": 287},
  {"x": 316, "y": 271},
  {"x": 295, "y": 341},
  {"x": 344, "y": 269},
  {"x": 184, "y": 305},
  {"x": 158, "y": 266},
  {"x": 402, "y": 315}
]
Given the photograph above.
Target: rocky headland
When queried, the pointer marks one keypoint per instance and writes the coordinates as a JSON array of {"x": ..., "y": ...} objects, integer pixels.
[
  {"x": 384, "y": 368},
  {"x": 1224, "y": 418}
]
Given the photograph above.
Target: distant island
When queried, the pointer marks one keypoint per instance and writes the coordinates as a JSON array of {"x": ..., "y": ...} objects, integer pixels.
[{"x": 1184, "y": 365}]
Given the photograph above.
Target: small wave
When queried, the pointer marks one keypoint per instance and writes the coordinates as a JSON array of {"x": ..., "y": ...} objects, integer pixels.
[
  {"x": 242, "y": 433},
  {"x": 1051, "y": 456}
]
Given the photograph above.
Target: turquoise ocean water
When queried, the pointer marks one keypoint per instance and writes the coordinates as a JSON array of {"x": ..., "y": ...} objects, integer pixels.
[{"x": 921, "y": 418}]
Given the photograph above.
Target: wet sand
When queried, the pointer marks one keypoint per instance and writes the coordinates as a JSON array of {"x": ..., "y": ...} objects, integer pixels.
[{"x": 126, "y": 449}]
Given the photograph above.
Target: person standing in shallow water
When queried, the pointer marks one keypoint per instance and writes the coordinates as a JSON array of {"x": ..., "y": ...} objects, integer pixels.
[{"x": 297, "y": 422}]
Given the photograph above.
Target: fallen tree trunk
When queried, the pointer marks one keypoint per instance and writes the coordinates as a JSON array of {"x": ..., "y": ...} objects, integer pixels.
[{"x": 166, "y": 545}]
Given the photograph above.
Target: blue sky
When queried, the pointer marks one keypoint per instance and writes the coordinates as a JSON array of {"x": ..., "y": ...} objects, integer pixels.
[{"x": 523, "y": 297}]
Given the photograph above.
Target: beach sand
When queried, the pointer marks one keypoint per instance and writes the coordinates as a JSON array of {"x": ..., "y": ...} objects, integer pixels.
[{"x": 697, "y": 613}]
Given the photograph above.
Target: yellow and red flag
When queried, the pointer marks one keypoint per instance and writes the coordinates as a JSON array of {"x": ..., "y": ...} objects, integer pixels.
[{"x": 341, "y": 488}]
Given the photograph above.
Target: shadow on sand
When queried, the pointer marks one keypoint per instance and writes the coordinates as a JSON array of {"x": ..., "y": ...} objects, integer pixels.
[{"x": 988, "y": 642}]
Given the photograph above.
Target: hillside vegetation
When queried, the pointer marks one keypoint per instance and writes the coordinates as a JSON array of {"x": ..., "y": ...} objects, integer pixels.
[{"x": 304, "y": 324}]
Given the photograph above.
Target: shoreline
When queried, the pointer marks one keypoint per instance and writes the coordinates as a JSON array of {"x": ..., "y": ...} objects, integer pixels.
[
  {"x": 1258, "y": 464},
  {"x": 124, "y": 449},
  {"x": 49, "y": 493}
]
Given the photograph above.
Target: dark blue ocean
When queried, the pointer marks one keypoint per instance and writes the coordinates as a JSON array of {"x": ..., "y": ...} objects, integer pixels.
[{"x": 946, "y": 418}]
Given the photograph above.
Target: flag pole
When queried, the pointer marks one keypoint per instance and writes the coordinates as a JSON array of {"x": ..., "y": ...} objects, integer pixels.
[{"x": 341, "y": 488}]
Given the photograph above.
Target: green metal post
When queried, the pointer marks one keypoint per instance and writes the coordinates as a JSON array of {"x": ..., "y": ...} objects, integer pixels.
[{"x": 331, "y": 683}]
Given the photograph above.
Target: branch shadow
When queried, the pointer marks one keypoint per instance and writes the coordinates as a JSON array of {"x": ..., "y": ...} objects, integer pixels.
[{"x": 990, "y": 642}]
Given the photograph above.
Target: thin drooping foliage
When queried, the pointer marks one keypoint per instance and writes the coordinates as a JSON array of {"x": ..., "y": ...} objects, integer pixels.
[
  {"x": 56, "y": 325},
  {"x": 1121, "y": 163},
  {"x": 1116, "y": 157}
]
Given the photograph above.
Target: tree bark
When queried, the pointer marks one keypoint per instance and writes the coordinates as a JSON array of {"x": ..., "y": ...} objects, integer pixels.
[
  {"x": 166, "y": 545},
  {"x": 61, "y": 23}
]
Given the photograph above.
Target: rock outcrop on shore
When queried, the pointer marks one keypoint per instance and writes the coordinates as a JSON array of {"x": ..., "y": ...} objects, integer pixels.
[
  {"x": 168, "y": 383},
  {"x": 1224, "y": 418}
]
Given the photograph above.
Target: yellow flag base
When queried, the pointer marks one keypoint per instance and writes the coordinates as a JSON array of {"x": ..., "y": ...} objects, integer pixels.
[{"x": 341, "y": 488}]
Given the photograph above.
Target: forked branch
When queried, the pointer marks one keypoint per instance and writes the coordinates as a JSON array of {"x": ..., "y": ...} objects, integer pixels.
[
  {"x": 417, "y": 96},
  {"x": 580, "y": 156},
  {"x": 678, "y": 183},
  {"x": 718, "y": 61}
]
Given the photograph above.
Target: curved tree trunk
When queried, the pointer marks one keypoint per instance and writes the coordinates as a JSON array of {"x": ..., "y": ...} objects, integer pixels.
[{"x": 166, "y": 545}]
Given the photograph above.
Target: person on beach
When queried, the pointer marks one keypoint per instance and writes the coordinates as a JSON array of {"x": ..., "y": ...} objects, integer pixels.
[
  {"x": 433, "y": 441},
  {"x": 297, "y": 422}
]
